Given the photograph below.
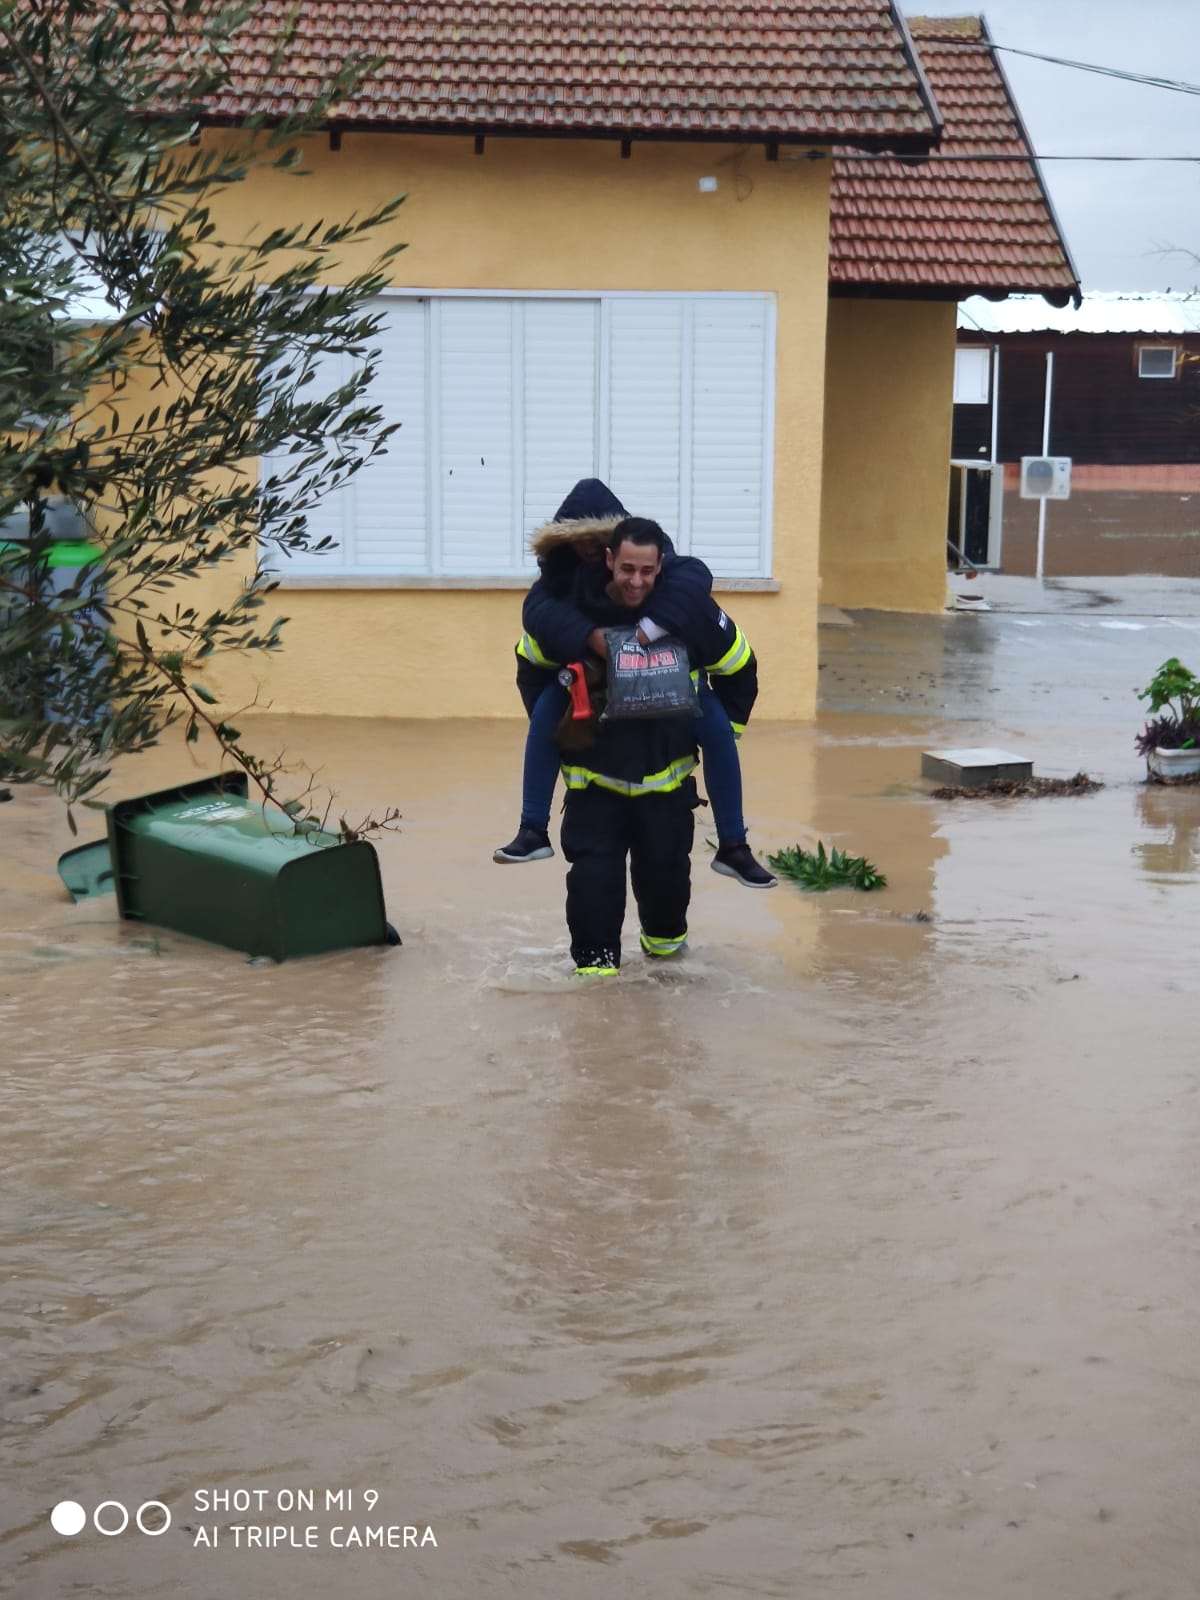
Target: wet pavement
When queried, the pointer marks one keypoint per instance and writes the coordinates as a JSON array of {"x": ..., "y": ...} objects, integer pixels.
[
  {"x": 853, "y": 1255},
  {"x": 1134, "y": 595},
  {"x": 1076, "y": 669}
]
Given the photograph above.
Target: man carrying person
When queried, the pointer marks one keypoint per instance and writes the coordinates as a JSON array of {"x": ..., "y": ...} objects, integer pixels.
[{"x": 630, "y": 790}]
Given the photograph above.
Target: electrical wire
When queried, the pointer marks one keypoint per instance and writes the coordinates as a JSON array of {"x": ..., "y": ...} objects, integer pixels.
[{"x": 1176, "y": 86}]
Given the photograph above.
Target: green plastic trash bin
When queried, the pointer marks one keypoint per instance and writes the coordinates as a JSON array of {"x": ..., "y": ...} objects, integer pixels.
[
  {"x": 39, "y": 683},
  {"x": 205, "y": 860}
]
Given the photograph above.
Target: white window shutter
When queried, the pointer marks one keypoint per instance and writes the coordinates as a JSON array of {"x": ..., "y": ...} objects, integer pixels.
[
  {"x": 505, "y": 402},
  {"x": 559, "y": 390},
  {"x": 728, "y": 434},
  {"x": 474, "y": 459},
  {"x": 387, "y": 497},
  {"x": 327, "y": 519},
  {"x": 645, "y": 406}
]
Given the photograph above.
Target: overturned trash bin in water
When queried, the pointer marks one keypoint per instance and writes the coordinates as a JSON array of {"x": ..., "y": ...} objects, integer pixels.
[{"x": 204, "y": 860}]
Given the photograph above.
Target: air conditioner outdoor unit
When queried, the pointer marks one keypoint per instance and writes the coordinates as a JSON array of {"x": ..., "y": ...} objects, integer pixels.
[{"x": 1045, "y": 477}]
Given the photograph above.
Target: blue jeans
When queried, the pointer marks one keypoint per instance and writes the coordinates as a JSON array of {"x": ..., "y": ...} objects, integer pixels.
[{"x": 722, "y": 767}]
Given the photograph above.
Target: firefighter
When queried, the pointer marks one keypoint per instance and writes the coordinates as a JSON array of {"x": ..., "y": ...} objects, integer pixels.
[{"x": 631, "y": 795}]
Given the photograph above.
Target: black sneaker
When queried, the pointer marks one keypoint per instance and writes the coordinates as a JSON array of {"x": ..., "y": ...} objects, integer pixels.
[
  {"x": 531, "y": 844},
  {"x": 737, "y": 861}
]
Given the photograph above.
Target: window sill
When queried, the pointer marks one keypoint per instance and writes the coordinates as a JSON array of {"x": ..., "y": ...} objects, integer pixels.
[
  {"x": 368, "y": 580},
  {"x": 348, "y": 580}
]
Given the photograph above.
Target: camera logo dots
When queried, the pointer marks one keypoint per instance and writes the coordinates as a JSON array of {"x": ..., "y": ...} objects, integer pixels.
[
  {"x": 68, "y": 1518},
  {"x": 110, "y": 1518}
]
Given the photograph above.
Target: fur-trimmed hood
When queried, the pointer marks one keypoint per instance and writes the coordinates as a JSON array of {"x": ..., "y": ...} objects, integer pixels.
[
  {"x": 589, "y": 513},
  {"x": 571, "y": 531}
]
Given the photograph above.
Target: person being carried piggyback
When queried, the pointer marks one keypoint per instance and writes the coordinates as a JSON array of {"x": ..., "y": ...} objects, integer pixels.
[{"x": 558, "y": 631}]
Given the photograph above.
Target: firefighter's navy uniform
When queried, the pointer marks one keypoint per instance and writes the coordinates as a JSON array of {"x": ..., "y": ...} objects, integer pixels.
[{"x": 630, "y": 790}]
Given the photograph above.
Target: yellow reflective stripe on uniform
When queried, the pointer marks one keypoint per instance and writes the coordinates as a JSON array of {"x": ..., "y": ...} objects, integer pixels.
[
  {"x": 662, "y": 947},
  {"x": 532, "y": 651},
  {"x": 739, "y": 728},
  {"x": 663, "y": 782},
  {"x": 597, "y": 972},
  {"x": 735, "y": 658}
]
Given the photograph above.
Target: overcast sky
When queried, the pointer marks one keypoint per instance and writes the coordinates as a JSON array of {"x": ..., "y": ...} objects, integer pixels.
[{"x": 1115, "y": 215}]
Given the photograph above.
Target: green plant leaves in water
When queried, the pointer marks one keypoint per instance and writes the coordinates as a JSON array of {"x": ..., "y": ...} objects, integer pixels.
[{"x": 826, "y": 869}]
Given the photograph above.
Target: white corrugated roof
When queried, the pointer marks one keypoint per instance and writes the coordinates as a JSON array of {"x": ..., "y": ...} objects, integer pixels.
[{"x": 1099, "y": 313}]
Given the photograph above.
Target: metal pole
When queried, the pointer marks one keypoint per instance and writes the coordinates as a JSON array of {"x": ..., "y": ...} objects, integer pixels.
[
  {"x": 1041, "y": 544},
  {"x": 995, "y": 492}
]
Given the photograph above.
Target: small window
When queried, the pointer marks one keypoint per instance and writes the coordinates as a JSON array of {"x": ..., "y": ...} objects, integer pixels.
[
  {"x": 972, "y": 375},
  {"x": 1157, "y": 360}
]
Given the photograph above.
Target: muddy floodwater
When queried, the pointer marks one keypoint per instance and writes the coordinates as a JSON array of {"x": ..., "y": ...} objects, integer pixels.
[{"x": 855, "y": 1254}]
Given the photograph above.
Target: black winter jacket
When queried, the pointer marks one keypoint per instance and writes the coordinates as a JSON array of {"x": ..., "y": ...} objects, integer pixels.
[
  {"x": 584, "y": 522},
  {"x": 647, "y": 755}
]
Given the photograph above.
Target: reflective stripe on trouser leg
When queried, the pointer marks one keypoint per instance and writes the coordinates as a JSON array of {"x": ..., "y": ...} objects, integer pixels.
[{"x": 661, "y": 866}]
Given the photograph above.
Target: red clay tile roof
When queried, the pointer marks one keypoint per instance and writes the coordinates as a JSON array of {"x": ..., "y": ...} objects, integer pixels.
[
  {"x": 968, "y": 227},
  {"x": 824, "y": 71}
]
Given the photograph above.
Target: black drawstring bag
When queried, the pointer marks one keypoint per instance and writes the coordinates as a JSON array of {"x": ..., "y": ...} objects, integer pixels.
[{"x": 648, "y": 680}]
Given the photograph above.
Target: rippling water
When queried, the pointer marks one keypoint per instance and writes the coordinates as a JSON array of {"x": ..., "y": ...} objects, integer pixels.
[{"x": 856, "y": 1254}]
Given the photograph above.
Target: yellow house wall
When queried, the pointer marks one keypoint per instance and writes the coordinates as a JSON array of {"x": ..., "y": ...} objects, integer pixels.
[
  {"x": 558, "y": 214},
  {"x": 889, "y": 380}
]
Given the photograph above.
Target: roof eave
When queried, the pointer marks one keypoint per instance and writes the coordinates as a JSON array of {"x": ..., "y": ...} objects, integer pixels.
[
  {"x": 913, "y": 144},
  {"x": 1055, "y": 295}
]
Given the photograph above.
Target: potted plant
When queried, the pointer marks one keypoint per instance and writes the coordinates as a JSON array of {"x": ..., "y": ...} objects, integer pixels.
[{"x": 1170, "y": 739}]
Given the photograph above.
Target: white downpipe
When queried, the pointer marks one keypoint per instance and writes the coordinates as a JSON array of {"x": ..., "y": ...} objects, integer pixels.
[{"x": 1041, "y": 544}]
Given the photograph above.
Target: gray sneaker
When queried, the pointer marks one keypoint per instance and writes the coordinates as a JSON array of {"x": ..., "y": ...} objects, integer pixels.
[
  {"x": 531, "y": 844},
  {"x": 738, "y": 861}
]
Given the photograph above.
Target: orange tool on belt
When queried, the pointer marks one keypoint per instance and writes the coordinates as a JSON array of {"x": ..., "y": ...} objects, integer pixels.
[{"x": 572, "y": 677}]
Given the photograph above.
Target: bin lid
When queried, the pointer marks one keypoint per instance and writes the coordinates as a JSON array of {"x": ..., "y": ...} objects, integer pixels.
[{"x": 87, "y": 870}]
